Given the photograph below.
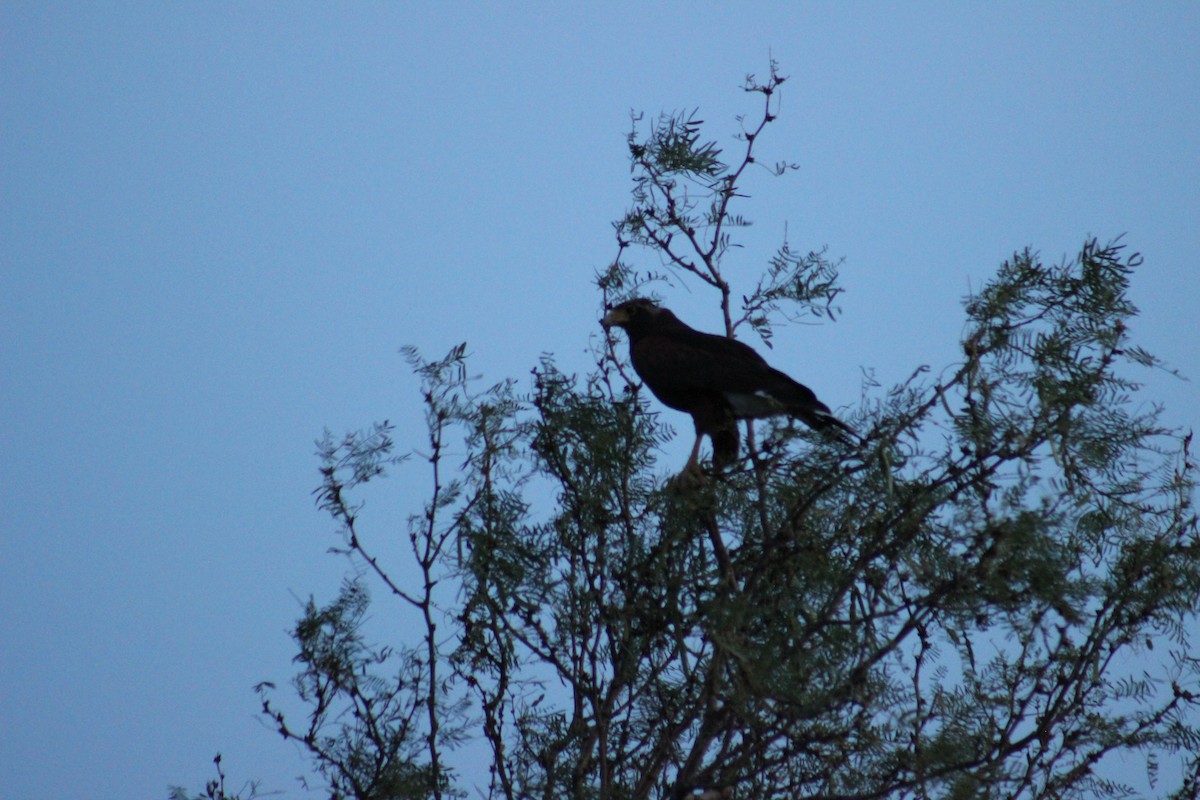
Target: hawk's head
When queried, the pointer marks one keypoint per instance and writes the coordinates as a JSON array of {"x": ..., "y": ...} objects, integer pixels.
[{"x": 637, "y": 316}]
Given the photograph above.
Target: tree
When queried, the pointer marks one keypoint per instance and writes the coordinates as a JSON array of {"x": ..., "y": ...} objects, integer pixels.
[{"x": 988, "y": 598}]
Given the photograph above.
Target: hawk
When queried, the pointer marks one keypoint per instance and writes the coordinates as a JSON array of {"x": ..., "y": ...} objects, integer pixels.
[{"x": 715, "y": 379}]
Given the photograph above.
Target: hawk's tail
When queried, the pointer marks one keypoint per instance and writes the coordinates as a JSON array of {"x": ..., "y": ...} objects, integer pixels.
[{"x": 800, "y": 402}]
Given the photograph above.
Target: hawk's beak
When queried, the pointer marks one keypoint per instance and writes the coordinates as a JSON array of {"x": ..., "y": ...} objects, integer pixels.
[{"x": 614, "y": 317}]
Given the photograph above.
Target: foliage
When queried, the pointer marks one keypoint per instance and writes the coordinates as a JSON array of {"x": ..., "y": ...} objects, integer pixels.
[
  {"x": 215, "y": 789},
  {"x": 992, "y": 597}
]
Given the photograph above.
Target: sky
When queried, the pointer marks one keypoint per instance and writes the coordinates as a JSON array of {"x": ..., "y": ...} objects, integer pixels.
[{"x": 221, "y": 221}]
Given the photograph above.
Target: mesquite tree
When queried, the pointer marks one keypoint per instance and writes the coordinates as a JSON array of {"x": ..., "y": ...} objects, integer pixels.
[{"x": 990, "y": 596}]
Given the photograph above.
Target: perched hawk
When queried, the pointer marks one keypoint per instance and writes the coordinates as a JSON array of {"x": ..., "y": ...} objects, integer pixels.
[{"x": 715, "y": 379}]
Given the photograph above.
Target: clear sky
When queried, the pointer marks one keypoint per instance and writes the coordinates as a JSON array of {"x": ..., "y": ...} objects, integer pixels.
[{"x": 221, "y": 221}]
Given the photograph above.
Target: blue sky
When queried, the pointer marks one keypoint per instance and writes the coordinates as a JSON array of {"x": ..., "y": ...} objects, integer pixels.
[{"x": 221, "y": 222}]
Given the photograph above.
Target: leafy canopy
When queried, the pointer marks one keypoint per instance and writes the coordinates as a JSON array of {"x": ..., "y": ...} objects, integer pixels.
[{"x": 992, "y": 597}]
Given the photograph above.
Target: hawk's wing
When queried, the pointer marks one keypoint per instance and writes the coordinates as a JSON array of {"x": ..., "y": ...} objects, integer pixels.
[{"x": 679, "y": 366}]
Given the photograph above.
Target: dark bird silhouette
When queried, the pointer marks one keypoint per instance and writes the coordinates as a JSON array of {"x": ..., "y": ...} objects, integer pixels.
[{"x": 715, "y": 379}]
